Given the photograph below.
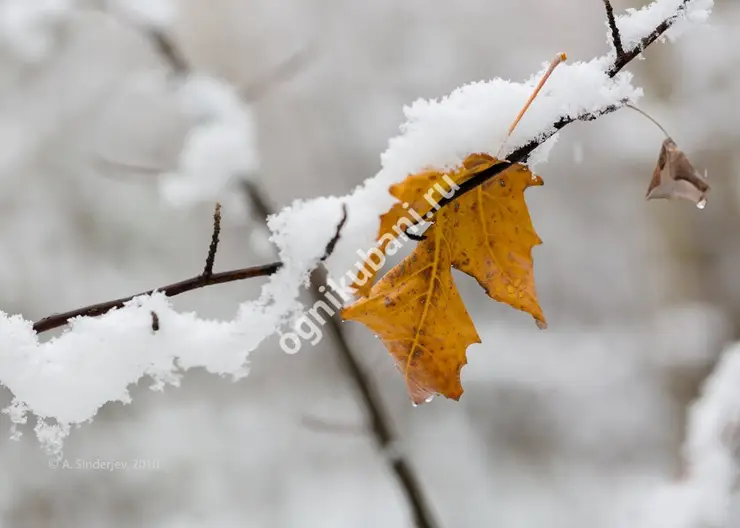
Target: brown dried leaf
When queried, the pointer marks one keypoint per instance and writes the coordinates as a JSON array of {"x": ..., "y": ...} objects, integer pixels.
[{"x": 675, "y": 177}]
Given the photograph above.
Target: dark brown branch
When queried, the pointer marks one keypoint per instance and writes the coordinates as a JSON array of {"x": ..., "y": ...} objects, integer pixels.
[
  {"x": 213, "y": 248},
  {"x": 616, "y": 37},
  {"x": 57, "y": 320}
]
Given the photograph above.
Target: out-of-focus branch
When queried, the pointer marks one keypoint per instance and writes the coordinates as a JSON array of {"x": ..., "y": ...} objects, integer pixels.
[
  {"x": 165, "y": 46},
  {"x": 169, "y": 52}
]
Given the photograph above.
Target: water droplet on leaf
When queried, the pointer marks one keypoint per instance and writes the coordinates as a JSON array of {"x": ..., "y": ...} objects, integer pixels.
[{"x": 701, "y": 204}]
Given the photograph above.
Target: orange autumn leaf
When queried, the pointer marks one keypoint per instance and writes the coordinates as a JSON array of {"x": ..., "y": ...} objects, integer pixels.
[
  {"x": 419, "y": 315},
  {"x": 419, "y": 192},
  {"x": 495, "y": 239},
  {"x": 416, "y": 309}
]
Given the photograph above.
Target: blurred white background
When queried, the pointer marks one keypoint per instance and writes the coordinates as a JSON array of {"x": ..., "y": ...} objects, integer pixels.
[{"x": 580, "y": 425}]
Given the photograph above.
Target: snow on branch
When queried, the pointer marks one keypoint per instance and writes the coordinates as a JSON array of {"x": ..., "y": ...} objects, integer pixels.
[{"x": 120, "y": 347}]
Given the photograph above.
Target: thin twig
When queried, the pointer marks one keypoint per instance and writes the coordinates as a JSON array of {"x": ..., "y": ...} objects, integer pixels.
[
  {"x": 211, "y": 258},
  {"x": 616, "y": 37},
  {"x": 177, "y": 288},
  {"x": 170, "y": 52}
]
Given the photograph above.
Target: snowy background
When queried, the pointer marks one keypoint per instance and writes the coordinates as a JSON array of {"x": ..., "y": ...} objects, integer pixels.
[{"x": 108, "y": 174}]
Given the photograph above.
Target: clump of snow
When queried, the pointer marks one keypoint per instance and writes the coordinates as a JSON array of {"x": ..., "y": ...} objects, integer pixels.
[
  {"x": 637, "y": 24},
  {"x": 157, "y": 14},
  {"x": 28, "y": 27},
  {"x": 219, "y": 149}
]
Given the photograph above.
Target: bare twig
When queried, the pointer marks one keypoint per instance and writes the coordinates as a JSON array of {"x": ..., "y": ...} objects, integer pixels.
[
  {"x": 177, "y": 288},
  {"x": 211, "y": 258},
  {"x": 616, "y": 37}
]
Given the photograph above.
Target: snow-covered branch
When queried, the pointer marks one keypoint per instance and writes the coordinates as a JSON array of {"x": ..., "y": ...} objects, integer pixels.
[{"x": 118, "y": 348}]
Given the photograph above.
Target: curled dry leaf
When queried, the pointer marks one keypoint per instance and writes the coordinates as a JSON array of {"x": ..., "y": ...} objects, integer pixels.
[
  {"x": 415, "y": 308},
  {"x": 675, "y": 177}
]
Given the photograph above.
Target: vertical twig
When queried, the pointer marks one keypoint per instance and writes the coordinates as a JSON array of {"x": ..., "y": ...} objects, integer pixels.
[
  {"x": 616, "y": 37},
  {"x": 213, "y": 248}
]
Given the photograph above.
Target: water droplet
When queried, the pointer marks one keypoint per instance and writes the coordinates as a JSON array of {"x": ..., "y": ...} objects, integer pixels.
[
  {"x": 429, "y": 398},
  {"x": 414, "y": 404},
  {"x": 701, "y": 204}
]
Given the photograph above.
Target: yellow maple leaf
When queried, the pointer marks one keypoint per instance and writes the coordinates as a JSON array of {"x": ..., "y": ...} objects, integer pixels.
[
  {"x": 495, "y": 238},
  {"x": 418, "y": 313},
  {"x": 416, "y": 308}
]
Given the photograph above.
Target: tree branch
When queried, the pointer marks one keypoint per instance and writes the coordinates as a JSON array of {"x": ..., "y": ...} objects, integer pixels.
[
  {"x": 616, "y": 37},
  {"x": 207, "y": 278},
  {"x": 211, "y": 258}
]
